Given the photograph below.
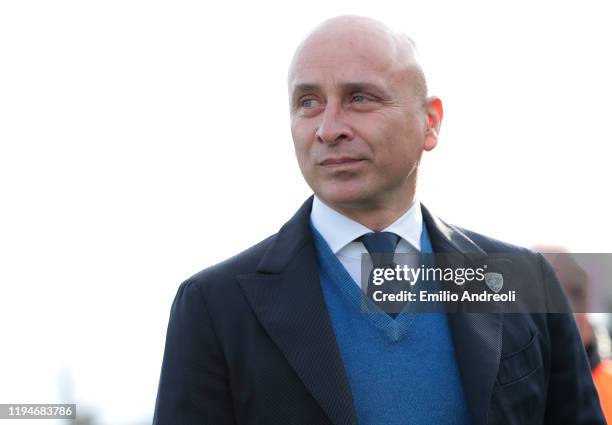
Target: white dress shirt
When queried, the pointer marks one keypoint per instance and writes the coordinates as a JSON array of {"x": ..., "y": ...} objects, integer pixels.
[{"x": 340, "y": 233}]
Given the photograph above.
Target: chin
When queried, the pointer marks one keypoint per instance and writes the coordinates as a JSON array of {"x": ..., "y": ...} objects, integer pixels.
[{"x": 344, "y": 195}]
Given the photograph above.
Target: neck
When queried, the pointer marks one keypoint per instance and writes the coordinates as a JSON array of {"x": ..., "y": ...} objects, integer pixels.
[{"x": 376, "y": 216}]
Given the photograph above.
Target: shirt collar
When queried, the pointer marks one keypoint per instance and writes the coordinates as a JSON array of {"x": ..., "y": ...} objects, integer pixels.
[{"x": 339, "y": 230}]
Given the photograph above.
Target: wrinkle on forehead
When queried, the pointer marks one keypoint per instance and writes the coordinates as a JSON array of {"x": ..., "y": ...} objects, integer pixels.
[{"x": 359, "y": 37}]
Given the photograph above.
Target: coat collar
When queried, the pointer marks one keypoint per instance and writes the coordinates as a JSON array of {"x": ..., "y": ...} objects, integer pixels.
[{"x": 286, "y": 296}]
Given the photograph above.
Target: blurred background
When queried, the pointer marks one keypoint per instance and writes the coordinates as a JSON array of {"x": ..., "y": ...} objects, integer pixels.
[{"x": 134, "y": 134}]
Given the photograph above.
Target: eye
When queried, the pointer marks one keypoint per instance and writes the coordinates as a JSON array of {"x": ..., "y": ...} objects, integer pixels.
[
  {"x": 307, "y": 103},
  {"x": 358, "y": 98}
]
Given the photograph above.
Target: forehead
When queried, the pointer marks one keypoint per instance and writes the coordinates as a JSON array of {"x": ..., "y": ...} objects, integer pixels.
[{"x": 330, "y": 59}]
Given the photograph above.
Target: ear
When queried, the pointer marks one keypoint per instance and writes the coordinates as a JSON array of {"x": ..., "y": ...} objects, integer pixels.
[{"x": 434, "y": 111}]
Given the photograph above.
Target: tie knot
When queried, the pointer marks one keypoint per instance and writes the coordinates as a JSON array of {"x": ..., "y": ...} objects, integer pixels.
[{"x": 380, "y": 242}]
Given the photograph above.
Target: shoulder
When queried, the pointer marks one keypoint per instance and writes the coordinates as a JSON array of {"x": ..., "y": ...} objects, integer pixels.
[
  {"x": 220, "y": 274},
  {"x": 526, "y": 262},
  {"x": 450, "y": 237},
  {"x": 492, "y": 245}
]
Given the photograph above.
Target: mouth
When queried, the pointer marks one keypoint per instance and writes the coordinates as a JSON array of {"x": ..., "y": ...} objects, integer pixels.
[{"x": 340, "y": 162}]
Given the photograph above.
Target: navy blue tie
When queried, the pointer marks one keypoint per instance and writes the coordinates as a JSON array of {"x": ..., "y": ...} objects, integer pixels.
[
  {"x": 380, "y": 243},
  {"x": 381, "y": 247}
]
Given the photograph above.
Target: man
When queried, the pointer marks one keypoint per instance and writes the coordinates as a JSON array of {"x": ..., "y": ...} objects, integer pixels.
[
  {"x": 575, "y": 282},
  {"x": 275, "y": 335}
]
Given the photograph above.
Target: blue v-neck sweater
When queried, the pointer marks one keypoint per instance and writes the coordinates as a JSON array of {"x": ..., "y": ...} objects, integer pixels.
[{"x": 400, "y": 371}]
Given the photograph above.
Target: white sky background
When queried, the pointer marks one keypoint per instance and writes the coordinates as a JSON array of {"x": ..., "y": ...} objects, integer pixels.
[{"x": 141, "y": 141}]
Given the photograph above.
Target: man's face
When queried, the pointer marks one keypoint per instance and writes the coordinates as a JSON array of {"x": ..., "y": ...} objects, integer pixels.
[{"x": 358, "y": 123}]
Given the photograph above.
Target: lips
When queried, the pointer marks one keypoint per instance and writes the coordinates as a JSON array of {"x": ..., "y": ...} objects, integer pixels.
[{"x": 340, "y": 161}]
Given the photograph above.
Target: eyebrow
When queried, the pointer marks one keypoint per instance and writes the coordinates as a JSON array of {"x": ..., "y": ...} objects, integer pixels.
[{"x": 346, "y": 87}]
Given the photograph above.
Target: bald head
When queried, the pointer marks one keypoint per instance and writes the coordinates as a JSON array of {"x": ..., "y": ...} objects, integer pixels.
[{"x": 349, "y": 36}]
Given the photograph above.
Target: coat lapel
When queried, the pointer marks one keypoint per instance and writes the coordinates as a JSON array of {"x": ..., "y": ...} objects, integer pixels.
[
  {"x": 477, "y": 336},
  {"x": 286, "y": 296}
]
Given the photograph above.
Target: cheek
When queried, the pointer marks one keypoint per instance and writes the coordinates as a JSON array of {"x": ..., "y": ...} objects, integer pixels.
[
  {"x": 302, "y": 144},
  {"x": 410, "y": 145},
  {"x": 394, "y": 147},
  {"x": 298, "y": 136},
  {"x": 302, "y": 128},
  {"x": 396, "y": 133}
]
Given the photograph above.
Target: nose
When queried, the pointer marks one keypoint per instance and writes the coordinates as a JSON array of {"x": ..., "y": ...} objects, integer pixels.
[{"x": 333, "y": 127}]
